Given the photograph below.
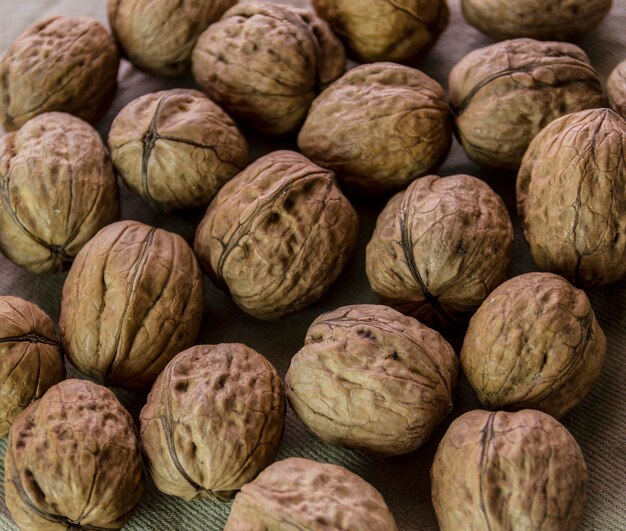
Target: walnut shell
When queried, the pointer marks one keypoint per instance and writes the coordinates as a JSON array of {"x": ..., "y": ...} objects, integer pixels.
[
  {"x": 299, "y": 493},
  {"x": 504, "y": 94},
  {"x": 64, "y": 64},
  {"x": 213, "y": 421},
  {"x": 616, "y": 89},
  {"x": 277, "y": 235},
  {"x": 31, "y": 358},
  {"x": 534, "y": 343},
  {"x": 73, "y": 461},
  {"x": 379, "y": 127},
  {"x": 265, "y": 63},
  {"x": 439, "y": 248},
  {"x": 508, "y": 471},
  {"x": 371, "y": 378},
  {"x": 176, "y": 148},
  {"x": 132, "y": 300},
  {"x": 571, "y": 196},
  {"x": 57, "y": 189}
]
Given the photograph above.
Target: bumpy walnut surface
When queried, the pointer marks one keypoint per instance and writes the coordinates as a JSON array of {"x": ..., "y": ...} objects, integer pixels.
[
  {"x": 64, "y": 64},
  {"x": 73, "y": 461},
  {"x": 213, "y": 421},
  {"x": 132, "y": 300},
  {"x": 508, "y": 471},
  {"x": 504, "y": 94},
  {"x": 616, "y": 89},
  {"x": 302, "y": 494},
  {"x": 57, "y": 189}
]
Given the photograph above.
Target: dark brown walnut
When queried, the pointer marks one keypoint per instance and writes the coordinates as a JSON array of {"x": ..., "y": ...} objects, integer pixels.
[
  {"x": 379, "y": 127},
  {"x": 265, "y": 63},
  {"x": 176, "y": 148},
  {"x": 132, "y": 300},
  {"x": 213, "y": 421},
  {"x": 534, "y": 343},
  {"x": 371, "y": 378},
  {"x": 508, "y": 471},
  {"x": 439, "y": 248},
  {"x": 504, "y": 94},
  {"x": 616, "y": 89},
  {"x": 277, "y": 235},
  {"x": 64, "y": 64},
  {"x": 299, "y": 493},
  {"x": 73, "y": 461},
  {"x": 571, "y": 196},
  {"x": 57, "y": 189}
]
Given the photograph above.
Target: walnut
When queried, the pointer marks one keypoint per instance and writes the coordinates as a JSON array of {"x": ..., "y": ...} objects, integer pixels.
[
  {"x": 371, "y": 378},
  {"x": 299, "y": 493},
  {"x": 277, "y": 235},
  {"x": 265, "y": 63},
  {"x": 60, "y": 64},
  {"x": 616, "y": 89},
  {"x": 73, "y": 461},
  {"x": 379, "y": 127},
  {"x": 572, "y": 199},
  {"x": 512, "y": 471},
  {"x": 57, "y": 189},
  {"x": 213, "y": 421},
  {"x": 132, "y": 300},
  {"x": 504, "y": 94},
  {"x": 439, "y": 248},
  {"x": 176, "y": 148}
]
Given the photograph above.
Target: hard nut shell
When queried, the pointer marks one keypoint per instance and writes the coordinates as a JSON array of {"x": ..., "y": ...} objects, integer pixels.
[{"x": 616, "y": 89}]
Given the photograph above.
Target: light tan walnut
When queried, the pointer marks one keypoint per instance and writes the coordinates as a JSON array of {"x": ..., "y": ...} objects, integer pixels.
[{"x": 616, "y": 89}]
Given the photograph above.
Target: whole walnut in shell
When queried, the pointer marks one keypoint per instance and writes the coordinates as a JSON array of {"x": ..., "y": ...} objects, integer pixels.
[
  {"x": 371, "y": 378},
  {"x": 73, "y": 461},
  {"x": 176, "y": 148},
  {"x": 277, "y": 235},
  {"x": 265, "y": 63},
  {"x": 571, "y": 196},
  {"x": 440, "y": 247},
  {"x": 57, "y": 189},
  {"x": 504, "y": 94},
  {"x": 616, "y": 89},
  {"x": 379, "y": 127},
  {"x": 299, "y": 493},
  {"x": 508, "y": 471},
  {"x": 64, "y": 64},
  {"x": 534, "y": 343},
  {"x": 132, "y": 300},
  {"x": 213, "y": 421}
]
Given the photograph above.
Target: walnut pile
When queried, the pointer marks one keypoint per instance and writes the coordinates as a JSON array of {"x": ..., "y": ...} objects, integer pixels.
[{"x": 616, "y": 89}]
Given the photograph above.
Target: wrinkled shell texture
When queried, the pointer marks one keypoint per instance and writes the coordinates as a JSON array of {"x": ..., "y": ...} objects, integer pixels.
[
  {"x": 571, "y": 196},
  {"x": 132, "y": 300},
  {"x": 57, "y": 189},
  {"x": 371, "y": 378},
  {"x": 385, "y": 30},
  {"x": 277, "y": 235},
  {"x": 31, "y": 359},
  {"x": 265, "y": 63},
  {"x": 616, "y": 89},
  {"x": 508, "y": 471},
  {"x": 73, "y": 461},
  {"x": 439, "y": 248},
  {"x": 64, "y": 64},
  {"x": 159, "y": 35},
  {"x": 298, "y": 493},
  {"x": 176, "y": 148},
  {"x": 379, "y": 127},
  {"x": 534, "y": 343},
  {"x": 504, "y": 94},
  {"x": 213, "y": 421}
]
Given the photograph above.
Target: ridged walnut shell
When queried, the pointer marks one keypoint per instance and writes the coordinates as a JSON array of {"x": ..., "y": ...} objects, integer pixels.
[
  {"x": 571, "y": 196},
  {"x": 176, "y": 148},
  {"x": 73, "y": 461},
  {"x": 213, "y": 421},
  {"x": 508, "y": 472},
  {"x": 299, "y": 493},
  {"x": 132, "y": 300},
  {"x": 277, "y": 235},
  {"x": 616, "y": 89},
  {"x": 371, "y": 378}
]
